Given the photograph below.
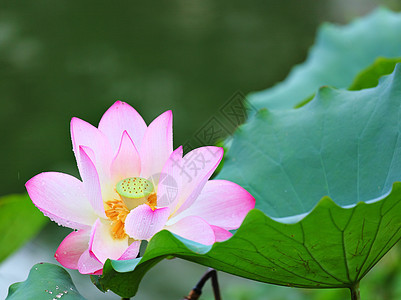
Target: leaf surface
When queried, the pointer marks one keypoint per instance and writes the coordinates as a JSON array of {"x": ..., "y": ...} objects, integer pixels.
[
  {"x": 325, "y": 178},
  {"x": 45, "y": 281},
  {"x": 339, "y": 54},
  {"x": 370, "y": 76},
  {"x": 338, "y": 252},
  {"x": 20, "y": 220}
]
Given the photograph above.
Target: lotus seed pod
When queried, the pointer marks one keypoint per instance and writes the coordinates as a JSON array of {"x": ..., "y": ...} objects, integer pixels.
[{"x": 134, "y": 191}]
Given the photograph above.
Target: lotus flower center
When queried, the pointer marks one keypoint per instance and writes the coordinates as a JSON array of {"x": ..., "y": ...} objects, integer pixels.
[{"x": 134, "y": 191}]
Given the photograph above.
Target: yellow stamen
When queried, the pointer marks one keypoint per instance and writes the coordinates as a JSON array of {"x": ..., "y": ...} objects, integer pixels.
[
  {"x": 117, "y": 212},
  {"x": 152, "y": 201},
  {"x": 134, "y": 191}
]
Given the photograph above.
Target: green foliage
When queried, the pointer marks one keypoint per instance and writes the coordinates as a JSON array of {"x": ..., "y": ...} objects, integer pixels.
[
  {"x": 383, "y": 283},
  {"x": 368, "y": 77},
  {"x": 343, "y": 144},
  {"x": 336, "y": 149},
  {"x": 339, "y": 54},
  {"x": 20, "y": 220},
  {"x": 325, "y": 175},
  {"x": 301, "y": 254},
  {"x": 45, "y": 281}
]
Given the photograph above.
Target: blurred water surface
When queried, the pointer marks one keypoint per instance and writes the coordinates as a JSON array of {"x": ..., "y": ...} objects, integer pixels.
[{"x": 71, "y": 58}]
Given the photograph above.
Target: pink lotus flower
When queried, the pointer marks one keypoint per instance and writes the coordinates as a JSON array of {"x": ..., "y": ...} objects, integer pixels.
[{"x": 134, "y": 185}]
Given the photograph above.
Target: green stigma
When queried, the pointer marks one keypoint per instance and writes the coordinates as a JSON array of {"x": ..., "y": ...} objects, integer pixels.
[{"x": 134, "y": 188}]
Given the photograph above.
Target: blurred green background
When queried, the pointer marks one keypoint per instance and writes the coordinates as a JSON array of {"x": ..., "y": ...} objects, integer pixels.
[{"x": 60, "y": 59}]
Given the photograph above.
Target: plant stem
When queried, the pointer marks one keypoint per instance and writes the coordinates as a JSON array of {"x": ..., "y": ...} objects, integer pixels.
[
  {"x": 197, "y": 290},
  {"x": 355, "y": 293}
]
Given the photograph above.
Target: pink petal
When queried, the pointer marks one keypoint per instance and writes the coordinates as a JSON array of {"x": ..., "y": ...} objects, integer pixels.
[
  {"x": 122, "y": 117},
  {"x": 170, "y": 181},
  {"x": 221, "y": 234},
  {"x": 84, "y": 134},
  {"x": 142, "y": 222},
  {"x": 103, "y": 245},
  {"x": 98, "y": 272},
  {"x": 91, "y": 182},
  {"x": 157, "y": 145},
  {"x": 193, "y": 228},
  {"x": 88, "y": 264},
  {"x": 72, "y": 247},
  {"x": 61, "y": 197},
  {"x": 127, "y": 162},
  {"x": 198, "y": 166},
  {"x": 221, "y": 203},
  {"x": 132, "y": 251}
]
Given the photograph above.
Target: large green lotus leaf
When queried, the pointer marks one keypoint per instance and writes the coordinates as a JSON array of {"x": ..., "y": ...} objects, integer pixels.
[
  {"x": 20, "y": 220},
  {"x": 328, "y": 202},
  {"x": 330, "y": 247},
  {"x": 45, "y": 281},
  {"x": 339, "y": 54},
  {"x": 343, "y": 144},
  {"x": 368, "y": 77}
]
